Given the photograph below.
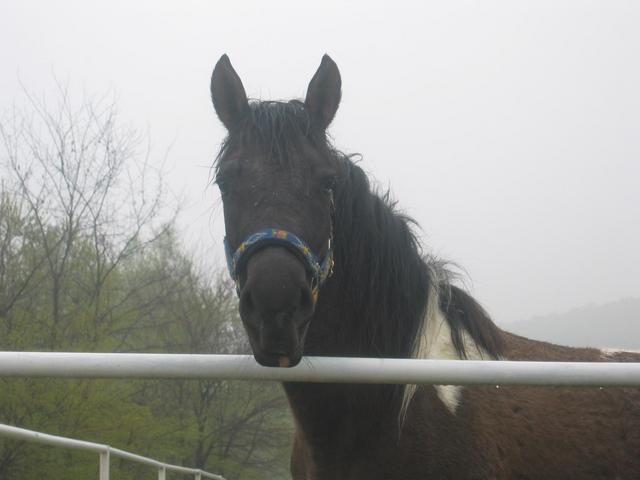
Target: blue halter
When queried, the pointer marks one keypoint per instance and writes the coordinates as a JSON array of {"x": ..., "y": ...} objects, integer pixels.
[{"x": 320, "y": 271}]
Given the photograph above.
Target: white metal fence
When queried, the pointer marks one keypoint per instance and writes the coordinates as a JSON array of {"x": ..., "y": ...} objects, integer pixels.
[
  {"x": 105, "y": 452},
  {"x": 320, "y": 369}
]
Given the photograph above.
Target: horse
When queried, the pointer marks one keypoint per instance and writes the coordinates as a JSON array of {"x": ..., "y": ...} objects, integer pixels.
[{"x": 326, "y": 265}]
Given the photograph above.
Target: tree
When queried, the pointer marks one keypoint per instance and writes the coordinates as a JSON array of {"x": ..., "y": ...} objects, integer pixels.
[
  {"x": 90, "y": 261},
  {"x": 76, "y": 201},
  {"x": 88, "y": 195},
  {"x": 240, "y": 428}
]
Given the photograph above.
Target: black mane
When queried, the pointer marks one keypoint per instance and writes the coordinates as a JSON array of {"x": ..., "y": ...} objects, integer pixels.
[
  {"x": 378, "y": 266},
  {"x": 384, "y": 274}
]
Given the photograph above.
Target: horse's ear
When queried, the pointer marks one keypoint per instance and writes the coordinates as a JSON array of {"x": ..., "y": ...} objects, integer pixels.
[
  {"x": 323, "y": 94},
  {"x": 227, "y": 93}
]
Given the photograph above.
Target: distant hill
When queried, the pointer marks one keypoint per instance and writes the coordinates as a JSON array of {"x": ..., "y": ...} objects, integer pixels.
[{"x": 612, "y": 325}]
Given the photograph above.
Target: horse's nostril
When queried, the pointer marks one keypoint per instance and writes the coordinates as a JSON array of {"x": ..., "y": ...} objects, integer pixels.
[{"x": 246, "y": 301}]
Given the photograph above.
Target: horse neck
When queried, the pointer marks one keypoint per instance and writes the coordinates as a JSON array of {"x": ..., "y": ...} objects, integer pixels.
[
  {"x": 372, "y": 306},
  {"x": 374, "y": 303}
]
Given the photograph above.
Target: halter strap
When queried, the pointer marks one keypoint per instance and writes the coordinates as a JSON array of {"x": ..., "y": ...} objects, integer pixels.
[{"x": 320, "y": 271}]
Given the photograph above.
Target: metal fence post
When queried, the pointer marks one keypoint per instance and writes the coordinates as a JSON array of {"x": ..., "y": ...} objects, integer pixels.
[
  {"x": 162, "y": 473},
  {"x": 104, "y": 465},
  {"x": 198, "y": 476}
]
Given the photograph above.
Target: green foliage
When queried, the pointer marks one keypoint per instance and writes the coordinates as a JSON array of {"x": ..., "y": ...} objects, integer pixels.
[{"x": 80, "y": 272}]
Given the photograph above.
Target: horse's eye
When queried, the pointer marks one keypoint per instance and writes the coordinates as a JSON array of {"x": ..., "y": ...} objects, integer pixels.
[
  {"x": 329, "y": 183},
  {"x": 223, "y": 185}
]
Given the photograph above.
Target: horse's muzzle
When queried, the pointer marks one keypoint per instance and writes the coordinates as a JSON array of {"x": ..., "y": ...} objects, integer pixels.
[{"x": 276, "y": 305}]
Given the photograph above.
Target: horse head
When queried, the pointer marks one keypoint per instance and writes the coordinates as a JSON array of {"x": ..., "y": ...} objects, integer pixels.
[{"x": 276, "y": 173}]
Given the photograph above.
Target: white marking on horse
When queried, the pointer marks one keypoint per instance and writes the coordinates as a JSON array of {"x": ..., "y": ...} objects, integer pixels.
[
  {"x": 450, "y": 395},
  {"x": 434, "y": 342}
]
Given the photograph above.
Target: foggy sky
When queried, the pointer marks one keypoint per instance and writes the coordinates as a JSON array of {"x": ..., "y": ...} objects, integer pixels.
[{"x": 508, "y": 130}]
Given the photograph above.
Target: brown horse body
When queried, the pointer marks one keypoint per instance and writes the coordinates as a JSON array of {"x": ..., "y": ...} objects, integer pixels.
[
  {"x": 495, "y": 433},
  {"x": 281, "y": 179}
]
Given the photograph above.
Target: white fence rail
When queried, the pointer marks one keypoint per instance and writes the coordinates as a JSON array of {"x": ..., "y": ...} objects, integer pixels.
[
  {"x": 105, "y": 452},
  {"x": 320, "y": 369}
]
